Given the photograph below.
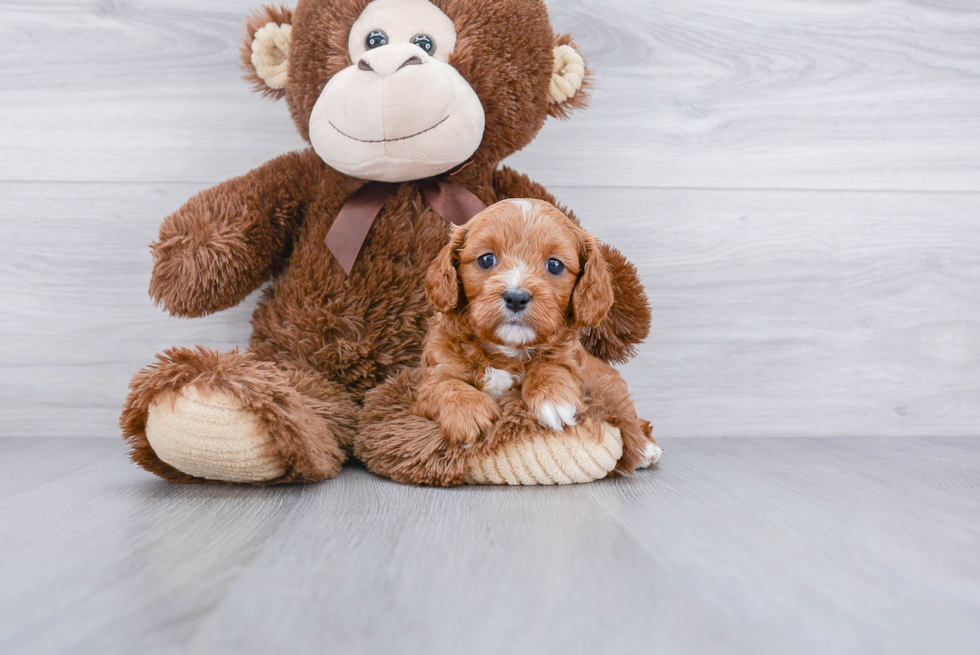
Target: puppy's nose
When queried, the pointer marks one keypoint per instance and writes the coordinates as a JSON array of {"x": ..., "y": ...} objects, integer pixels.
[{"x": 517, "y": 300}]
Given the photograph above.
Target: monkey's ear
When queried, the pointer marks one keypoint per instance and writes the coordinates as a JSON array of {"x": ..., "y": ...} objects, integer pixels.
[
  {"x": 570, "y": 79},
  {"x": 442, "y": 279},
  {"x": 265, "y": 50}
]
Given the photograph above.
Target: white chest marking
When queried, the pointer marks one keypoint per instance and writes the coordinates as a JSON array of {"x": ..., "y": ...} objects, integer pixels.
[
  {"x": 496, "y": 382},
  {"x": 515, "y": 336},
  {"x": 513, "y": 353}
]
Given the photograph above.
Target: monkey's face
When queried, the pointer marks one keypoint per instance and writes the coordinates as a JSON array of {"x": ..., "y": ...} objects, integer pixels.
[
  {"x": 400, "y": 112},
  {"x": 399, "y": 90}
]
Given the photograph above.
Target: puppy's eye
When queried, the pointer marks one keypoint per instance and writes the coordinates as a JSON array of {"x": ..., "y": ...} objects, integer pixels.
[
  {"x": 555, "y": 267},
  {"x": 425, "y": 42},
  {"x": 376, "y": 39},
  {"x": 486, "y": 261}
]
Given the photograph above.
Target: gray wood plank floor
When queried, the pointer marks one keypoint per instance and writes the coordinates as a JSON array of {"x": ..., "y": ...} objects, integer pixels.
[{"x": 731, "y": 545}]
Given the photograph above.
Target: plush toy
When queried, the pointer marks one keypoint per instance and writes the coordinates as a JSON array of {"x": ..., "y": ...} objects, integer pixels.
[{"x": 409, "y": 106}]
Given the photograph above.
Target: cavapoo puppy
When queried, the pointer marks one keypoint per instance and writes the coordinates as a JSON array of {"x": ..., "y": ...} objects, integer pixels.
[{"x": 513, "y": 289}]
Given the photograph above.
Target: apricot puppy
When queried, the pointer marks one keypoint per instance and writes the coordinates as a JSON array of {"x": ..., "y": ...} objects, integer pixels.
[{"x": 513, "y": 288}]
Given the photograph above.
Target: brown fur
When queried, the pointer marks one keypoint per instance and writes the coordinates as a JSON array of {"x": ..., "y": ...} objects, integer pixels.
[
  {"x": 463, "y": 343},
  {"x": 628, "y": 321},
  {"x": 294, "y": 405},
  {"x": 316, "y": 326},
  {"x": 394, "y": 441}
]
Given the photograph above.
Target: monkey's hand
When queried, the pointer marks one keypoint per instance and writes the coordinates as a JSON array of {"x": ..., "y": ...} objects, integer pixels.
[{"x": 229, "y": 239}]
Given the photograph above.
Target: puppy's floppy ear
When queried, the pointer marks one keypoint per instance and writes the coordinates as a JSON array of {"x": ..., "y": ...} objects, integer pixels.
[
  {"x": 265, "y": 50},
  {"x": 570, "y": 79},
  {"x": 593, "y": 295},
  {"x": 442, "y": 279}
]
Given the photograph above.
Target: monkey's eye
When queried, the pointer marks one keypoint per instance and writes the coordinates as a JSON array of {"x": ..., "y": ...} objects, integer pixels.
[
  {"x": 555, "y": 267},
  {"x": 425, "y": 42},
  {"x": 487, "y": 261},
  {"x": 376, "y": 39}
]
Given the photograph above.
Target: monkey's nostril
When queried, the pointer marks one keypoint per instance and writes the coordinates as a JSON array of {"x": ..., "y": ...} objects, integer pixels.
[
  {"x": 364, "y": 66},
  {"x": 413, "y": 61},
  {"x": 516, "y": 300}
]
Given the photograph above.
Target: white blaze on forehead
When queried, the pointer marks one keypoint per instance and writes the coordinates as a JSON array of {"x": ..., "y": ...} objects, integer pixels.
[
  {"x": 514, "y": 334},
  {"x": 496, "y": 382},
  {"x": 525, "y": 205},
  {"x": 513, "y": 277}
]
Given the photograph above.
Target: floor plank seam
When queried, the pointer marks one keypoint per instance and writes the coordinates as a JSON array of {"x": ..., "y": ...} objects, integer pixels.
[
  {"x": 35, "y": 485},
  {"x": 611, "y": 187}
]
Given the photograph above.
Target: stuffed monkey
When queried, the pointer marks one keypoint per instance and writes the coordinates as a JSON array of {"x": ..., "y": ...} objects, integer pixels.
[{"x": 409, "y": 107}]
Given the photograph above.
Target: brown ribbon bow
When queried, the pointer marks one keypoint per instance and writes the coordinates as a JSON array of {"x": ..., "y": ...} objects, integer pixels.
[{"x": 349, "y": 230}]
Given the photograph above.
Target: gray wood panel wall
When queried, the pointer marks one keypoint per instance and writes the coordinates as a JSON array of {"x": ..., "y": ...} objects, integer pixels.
[{"x": 798, "y": 182}]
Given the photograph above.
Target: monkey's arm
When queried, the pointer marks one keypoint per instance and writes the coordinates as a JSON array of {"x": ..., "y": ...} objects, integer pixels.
[
  {"x": 628, "y": 322},
  {"x": 229, "y": 239}
]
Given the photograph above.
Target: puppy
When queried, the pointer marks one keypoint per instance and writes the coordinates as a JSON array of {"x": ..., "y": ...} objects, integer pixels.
[{"x": 513, "y": 289}]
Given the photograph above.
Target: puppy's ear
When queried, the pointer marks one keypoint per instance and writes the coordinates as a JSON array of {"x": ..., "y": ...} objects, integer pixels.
[
  {"x": 593, "y": 295},
  {"x": 442, "y": 279},
  {"x": 265, "y": 50}
]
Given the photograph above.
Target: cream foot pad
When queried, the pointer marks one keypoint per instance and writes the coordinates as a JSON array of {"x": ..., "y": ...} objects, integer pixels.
[
  {"x": 551, "y": 458},
  {"x": 211, "y": 437}
]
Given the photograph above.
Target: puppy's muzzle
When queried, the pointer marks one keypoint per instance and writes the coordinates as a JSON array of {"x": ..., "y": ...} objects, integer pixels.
[{"x": 517, "y": 300}]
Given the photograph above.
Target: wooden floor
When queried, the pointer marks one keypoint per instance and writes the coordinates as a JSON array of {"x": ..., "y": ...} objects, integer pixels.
[{"x": 731, "y": 545}]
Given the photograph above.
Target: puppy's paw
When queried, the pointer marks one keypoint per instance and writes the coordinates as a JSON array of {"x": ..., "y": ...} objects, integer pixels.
[
  {"x": 555, "y": 416},
  {"x": 651, "y": 455},
  {"x": 552, "y": 396},
  {"x": 468, "y": 417}
]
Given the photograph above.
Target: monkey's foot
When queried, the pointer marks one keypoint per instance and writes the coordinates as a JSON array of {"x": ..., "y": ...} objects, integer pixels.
[
  {"x": 211, "y": 435},
  {"x": 198, "y": 415}
]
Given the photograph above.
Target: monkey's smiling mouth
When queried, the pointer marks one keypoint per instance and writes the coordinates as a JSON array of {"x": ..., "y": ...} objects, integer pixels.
[{"x": 401, "y": 138}]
